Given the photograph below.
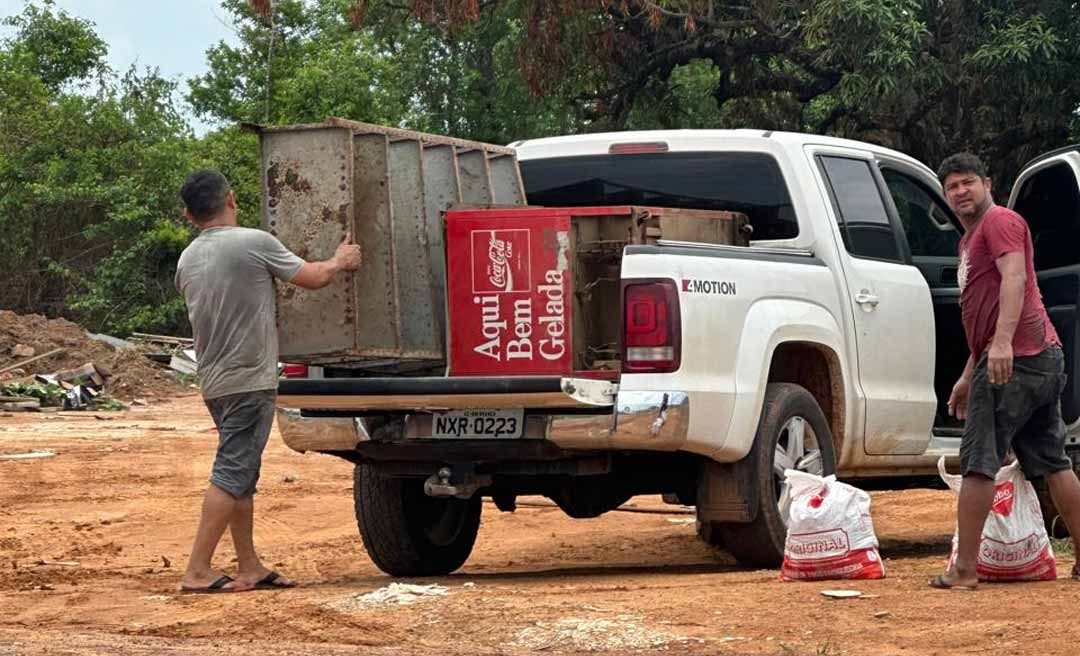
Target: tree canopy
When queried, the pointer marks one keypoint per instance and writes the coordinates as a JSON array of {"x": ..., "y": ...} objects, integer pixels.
[
  {"x": 925, "y": 77},
  {"x": 91, "y": 159}
]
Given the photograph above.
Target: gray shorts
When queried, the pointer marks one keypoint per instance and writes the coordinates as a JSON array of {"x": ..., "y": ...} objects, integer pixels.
[
  {"x": 243, "y": 421},
  {"x": 1024, "y": 415}
]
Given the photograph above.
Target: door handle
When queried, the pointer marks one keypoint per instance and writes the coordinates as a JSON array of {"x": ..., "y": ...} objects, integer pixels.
[{"x": 864, "y": 297}]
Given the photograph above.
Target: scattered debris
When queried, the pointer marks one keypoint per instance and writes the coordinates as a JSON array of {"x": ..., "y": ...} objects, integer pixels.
[
  {"x": 575, "y": 634},
  {"x": 291, "y": 477},
  {"x": 397, "y": 594},
  {"x": 165, "y": 562},
  {"x": 841, "y": 594},
  {"x": 33, "y": 455},
  {"x": 157, "y": 598},
  {"x": 18, "y": 403},
  {"x": 58, "y": 563},
  {"x": 71, "y": 389},
  {"x": 132, "y": 375},
  {"x": 470, "y": 584},
  {"x": 20, "y": 365},
  {"x": 183, "y": 361},
  {"x": 682, "y": 520},
  {"x": 882, "y": 614},
  {"x": 114, "y": 342},
  {"x": 175, "y": 352},
  {"x": 168, "y": 340},
  {"x": 22, "y": 351}
]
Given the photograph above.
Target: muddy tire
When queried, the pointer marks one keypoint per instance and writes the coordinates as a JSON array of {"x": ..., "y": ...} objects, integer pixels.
[
  {"x": 408, "y": 533},
  {"x": 792, "y": 432}
]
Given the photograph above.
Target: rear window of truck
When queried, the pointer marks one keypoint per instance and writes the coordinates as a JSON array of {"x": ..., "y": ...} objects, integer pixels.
[{"x": 750, "y": 183}]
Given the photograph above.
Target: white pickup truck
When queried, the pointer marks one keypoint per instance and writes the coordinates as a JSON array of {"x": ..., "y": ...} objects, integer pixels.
[{"x": 829, "y": 344}]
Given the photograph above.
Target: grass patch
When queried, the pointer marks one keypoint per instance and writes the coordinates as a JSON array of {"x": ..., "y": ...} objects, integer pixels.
[
  {"x": 108, "y": 404},
  {"x": 1063, "y": 547}
]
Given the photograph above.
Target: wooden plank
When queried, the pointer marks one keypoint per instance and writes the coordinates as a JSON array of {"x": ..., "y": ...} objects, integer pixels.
[
  {"x": 164, "y": 339},
  {"x": 87, "y": 372},
  {"x": 19, "y": 365},
  {"x": 427, "y": 402},
  {"x": 33, "y": 455},
  {"x": 21, "y": 405}
]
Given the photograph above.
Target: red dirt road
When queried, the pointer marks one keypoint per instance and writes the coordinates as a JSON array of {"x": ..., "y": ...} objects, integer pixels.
[{"x": 121, "y": 499}]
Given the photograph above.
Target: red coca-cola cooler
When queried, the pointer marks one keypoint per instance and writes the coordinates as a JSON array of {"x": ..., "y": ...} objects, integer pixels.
[
  {"x": 537, "y": 290},
  {"x": 509, "y": 286}
]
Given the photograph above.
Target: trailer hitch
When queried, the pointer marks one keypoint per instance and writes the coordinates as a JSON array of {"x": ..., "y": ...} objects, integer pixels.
[{"x": 459, "y": 483}]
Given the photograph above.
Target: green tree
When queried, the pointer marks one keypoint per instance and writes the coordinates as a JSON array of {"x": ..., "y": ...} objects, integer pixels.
[
  {"x": 923, "y": 76},
  {"x": 300, "y": 62},
  {"x": 297, "y": 64},
  {"x": 90, "y": 162}
]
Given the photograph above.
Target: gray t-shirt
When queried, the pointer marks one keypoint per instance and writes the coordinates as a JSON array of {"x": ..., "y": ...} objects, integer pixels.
[{"x": 226, "y": 277}]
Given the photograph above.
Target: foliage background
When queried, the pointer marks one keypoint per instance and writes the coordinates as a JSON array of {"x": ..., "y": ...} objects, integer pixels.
[{"x": 91, "y": 158}]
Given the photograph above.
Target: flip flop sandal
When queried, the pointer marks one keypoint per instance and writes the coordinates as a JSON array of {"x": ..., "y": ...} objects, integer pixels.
[
  {"x": 272, "y": 582},
  {"x": 940, "y": 583},
  {"x": 216, "y": 587}
]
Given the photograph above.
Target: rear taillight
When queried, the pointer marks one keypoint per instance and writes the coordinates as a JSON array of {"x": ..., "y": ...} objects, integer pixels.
[
  {"x": 295, "y": 371},
  {"x": 651, "y": 328}
]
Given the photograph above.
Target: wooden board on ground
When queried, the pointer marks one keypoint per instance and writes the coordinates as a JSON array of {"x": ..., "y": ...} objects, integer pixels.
[{"x": 31, "y": 404}]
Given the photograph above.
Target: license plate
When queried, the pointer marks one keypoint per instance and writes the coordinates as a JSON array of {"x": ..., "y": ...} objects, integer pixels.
[{"x": 478, "y": 424}]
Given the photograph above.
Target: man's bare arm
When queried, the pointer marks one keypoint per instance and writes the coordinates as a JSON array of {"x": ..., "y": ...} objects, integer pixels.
[
  {"x": 316, "y": 275},
  {"x": 1013, "y": 270}
]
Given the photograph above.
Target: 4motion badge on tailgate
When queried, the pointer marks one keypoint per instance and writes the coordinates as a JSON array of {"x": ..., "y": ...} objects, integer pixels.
[{"x": 718, "y": 287}]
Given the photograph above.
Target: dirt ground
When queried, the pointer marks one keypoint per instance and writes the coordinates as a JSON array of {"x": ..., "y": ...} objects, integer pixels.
[{"x": 121, "y": 499}]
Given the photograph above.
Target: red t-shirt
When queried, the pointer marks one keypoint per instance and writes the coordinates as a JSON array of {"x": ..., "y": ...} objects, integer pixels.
[{"x": 1000, "y": 231}]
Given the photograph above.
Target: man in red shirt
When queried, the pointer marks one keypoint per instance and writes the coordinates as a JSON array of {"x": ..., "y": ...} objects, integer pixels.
[{"x": 1010, "y": 389}]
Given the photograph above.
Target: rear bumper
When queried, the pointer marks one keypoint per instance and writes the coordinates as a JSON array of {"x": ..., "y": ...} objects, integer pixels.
[
  {"x": 582, "y": 414},
  {"x": 427, "y": 394},
  {"x": 319, "y": 433}
]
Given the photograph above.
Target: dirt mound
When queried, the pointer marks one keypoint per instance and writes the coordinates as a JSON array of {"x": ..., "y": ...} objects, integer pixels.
[{"x": 132, "y": 375}]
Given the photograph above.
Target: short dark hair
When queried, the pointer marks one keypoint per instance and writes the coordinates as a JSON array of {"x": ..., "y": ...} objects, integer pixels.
[
  {"x": 204, "y": 193},
  {"x": 961, "y": 163}
]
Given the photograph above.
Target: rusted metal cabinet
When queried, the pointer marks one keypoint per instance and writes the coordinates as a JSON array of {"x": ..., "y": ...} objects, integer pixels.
[{"x": 390, "y": 188}]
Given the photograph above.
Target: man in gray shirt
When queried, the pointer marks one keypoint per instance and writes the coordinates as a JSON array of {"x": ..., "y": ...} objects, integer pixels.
[{"x": 226, "y": 278}]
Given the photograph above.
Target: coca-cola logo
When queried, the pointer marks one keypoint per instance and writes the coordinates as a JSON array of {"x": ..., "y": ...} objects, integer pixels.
[
  {"x": 1004, "y": 493},
  {"x": 500, "y": 261},
  {"x": 499, "y": 253}
]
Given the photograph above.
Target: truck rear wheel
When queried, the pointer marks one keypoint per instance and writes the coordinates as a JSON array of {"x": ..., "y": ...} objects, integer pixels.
[
  {"x": 408, "y": 533},
  {"x": 792, "y": 434}
]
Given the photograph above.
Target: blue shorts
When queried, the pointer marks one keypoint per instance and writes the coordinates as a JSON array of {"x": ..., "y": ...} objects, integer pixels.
[{"x": 243, "y": 421}]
